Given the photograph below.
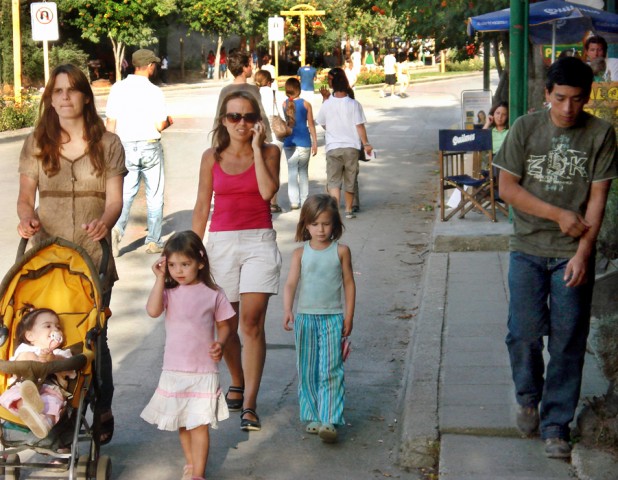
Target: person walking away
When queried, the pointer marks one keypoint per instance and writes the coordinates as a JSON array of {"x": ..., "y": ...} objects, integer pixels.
[
  {"x": 76, "y": 169},
  {"x": 270, "y": 68},
  {"x": 263, "y": 80},
  {"x": 334, "y": 72},
  {"x": 188, "y": 398},
  {"x": 357, "y": 61},
  {"x": 164, "y": 70},
  {"x": 240, "y": 65},
  {"x": 307, "y": 76},
  {"x": 222, "y": 64},
  {"x": 390, "y": 74},
  {"x": 556, "y": 167},
  {"x": 370, "y": 61},
  {"x": 210, "y": 61},
  {"x": 299, "y": 146},
  {"x": 350, "y": 72},
  {"x": 344, "y": 121},
  {"x": 242, "y": 172},
  {"x": 403, "y": 76},
  {"x": 322, "y": 270},
  {"x": 136, "y": 111}
]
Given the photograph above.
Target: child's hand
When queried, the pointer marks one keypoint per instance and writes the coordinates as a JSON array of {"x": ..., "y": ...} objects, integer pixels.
[
  {"x": 159, "y": 266},
  {"x": 347, "y": 327},
  {"x": 216, "y": 351},
  {"x": 288, "y": 321}
]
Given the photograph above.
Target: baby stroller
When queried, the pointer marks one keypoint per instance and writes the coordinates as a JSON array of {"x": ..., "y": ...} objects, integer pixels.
[{"x": 61, "y": 276}]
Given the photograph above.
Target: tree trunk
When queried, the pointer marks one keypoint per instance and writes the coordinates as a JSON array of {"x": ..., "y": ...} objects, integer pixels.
[
  {"x": 218, "y": 55},
  {"x": 118, "y": 49}
]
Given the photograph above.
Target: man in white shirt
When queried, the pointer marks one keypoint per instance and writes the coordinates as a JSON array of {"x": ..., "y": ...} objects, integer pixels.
[
  {"x": 136, "y": 112},
  {"x": 390, "y": 74},
  {"x": 596, "y": 47}
]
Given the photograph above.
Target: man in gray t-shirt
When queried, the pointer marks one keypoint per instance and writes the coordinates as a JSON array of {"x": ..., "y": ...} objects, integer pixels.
[{"x": 556, "y": 168}]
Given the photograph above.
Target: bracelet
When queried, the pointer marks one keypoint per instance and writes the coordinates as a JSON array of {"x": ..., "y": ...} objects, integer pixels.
[{"x": 366, "y": 144}]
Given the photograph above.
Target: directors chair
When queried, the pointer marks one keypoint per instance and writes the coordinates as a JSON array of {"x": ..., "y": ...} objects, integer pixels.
[{"x": 460, "y": 157}]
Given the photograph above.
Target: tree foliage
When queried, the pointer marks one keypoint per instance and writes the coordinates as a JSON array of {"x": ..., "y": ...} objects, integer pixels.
[
  {"x": 124, "y": 22},
  {"x": 444, "y": 20}
]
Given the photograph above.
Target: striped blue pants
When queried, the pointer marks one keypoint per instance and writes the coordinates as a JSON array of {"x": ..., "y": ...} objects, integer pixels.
[{"x": 321, "y": 388}]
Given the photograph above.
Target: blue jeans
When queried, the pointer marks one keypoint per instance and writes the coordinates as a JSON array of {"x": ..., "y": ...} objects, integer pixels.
[
  {"x": 298, "y": 173},
  {"x": 211, "y": 71},
  {"x": 542, "y": 305},
  {"x": 144, "y": 159}
]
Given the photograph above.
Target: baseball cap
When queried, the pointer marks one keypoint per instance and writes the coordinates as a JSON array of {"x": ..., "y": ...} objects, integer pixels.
[{"x": 144, "y": 57}]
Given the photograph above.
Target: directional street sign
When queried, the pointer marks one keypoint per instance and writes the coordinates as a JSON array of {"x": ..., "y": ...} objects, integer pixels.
[{"x": 44, "y": 21}]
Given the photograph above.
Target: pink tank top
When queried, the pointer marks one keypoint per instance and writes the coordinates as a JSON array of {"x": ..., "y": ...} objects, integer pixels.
[{"x": 238, "y": 203}]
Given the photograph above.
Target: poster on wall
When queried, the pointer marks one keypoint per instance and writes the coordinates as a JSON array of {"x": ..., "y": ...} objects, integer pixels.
[
  {"x": 475, "y": 105},
  {"x": 604, "y": 102}
]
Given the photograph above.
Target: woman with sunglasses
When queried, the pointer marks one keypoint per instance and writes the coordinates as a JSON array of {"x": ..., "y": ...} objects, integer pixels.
[{"x": 242, "y": 172}]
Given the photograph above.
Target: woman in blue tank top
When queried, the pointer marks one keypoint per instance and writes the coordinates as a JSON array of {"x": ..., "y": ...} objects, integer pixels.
[{"x": 299, "y": 146}]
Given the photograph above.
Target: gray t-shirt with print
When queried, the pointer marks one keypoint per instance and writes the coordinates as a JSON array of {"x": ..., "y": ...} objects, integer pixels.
[{"x": 557, "y": 165}]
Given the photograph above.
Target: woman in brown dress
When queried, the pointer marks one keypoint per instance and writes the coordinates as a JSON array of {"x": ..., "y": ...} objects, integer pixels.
[{"x": 77, "y": 167}]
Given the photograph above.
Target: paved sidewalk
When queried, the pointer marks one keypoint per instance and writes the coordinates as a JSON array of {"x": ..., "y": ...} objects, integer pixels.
[{"x": 459, "y": 397}]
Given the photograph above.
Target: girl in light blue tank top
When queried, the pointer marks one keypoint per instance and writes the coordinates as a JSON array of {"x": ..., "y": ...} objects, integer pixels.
[{"x": 322, "y": 271}]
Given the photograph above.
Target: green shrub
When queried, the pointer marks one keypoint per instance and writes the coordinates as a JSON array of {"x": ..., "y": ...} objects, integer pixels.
[
  {"x": 370, "y": 78},
  {"x": 13, "y": 117},
  {"x": 470, "y": 65}
]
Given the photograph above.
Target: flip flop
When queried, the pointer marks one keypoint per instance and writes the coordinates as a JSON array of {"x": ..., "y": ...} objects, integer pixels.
[
  {"x": 313, "y": 428},
  {"x": 328, "y": 433}
]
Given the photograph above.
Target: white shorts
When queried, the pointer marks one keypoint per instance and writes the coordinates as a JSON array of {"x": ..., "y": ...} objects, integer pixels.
[{"x": 245, "y": 261}]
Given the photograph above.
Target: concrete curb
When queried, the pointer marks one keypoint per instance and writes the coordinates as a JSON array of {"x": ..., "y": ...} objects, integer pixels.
[
  {"x": 419, "y": 446},
  {"x": 465, "y": 243}
]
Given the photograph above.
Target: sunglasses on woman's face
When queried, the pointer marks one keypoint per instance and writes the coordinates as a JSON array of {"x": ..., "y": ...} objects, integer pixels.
[{"x": 247, "y": 117}]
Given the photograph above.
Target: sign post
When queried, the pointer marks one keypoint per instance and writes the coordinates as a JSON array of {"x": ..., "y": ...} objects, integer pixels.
[
  {"x": 275, "y": 34},
  {"x": 303, "y": 10},
  {"x": 44, "y": 16}
]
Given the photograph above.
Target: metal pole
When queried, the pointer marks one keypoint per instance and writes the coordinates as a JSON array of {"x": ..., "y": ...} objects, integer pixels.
[
  {"x": 16, "y": 52},
  {"x": 516, "y": 60},
  {"x": 302, "y": 40},
  {"x": 486, "y": 63},
  {"x": 276, "y": 55},
  {"x": 46, "y": 60}
]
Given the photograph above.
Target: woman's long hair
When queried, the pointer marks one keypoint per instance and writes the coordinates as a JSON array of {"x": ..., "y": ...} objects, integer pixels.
[
  {"x": 48, "y": 131},
  {"x": 340, "y": 82},
  {"x": 220, "y": 135}
]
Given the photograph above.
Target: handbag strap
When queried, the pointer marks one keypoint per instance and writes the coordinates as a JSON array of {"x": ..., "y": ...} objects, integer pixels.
[{"x": 276, "y": 109}]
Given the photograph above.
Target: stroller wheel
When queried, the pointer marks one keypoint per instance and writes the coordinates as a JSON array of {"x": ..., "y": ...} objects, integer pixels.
[
  {"x": 10, "y": 472},
  {"x": 104, "y": 468}
]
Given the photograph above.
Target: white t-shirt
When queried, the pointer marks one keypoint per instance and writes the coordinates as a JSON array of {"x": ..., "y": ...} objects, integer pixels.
[
  {"x": 389, "y": 64},
  {"x": 339, "y": 117},
  {"x": 612, "y": 68},
  {"x": 137, "y": 106}
]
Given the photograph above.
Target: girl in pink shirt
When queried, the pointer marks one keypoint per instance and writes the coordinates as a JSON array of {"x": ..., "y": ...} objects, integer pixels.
[{"x": 188, "y": 397}]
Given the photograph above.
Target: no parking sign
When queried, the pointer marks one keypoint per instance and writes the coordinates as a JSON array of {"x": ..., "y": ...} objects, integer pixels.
[{"x": 44, "y": 17}]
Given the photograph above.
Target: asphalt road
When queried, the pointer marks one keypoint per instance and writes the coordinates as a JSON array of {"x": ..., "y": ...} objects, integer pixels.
[{"x": 388, "y": 240}]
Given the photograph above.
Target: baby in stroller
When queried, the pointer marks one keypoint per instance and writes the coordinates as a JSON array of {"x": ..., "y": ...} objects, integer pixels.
[{"x": 38, "y": 337}]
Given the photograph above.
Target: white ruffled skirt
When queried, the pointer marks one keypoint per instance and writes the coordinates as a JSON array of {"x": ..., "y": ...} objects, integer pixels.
[{"x": 186, "y": 400}]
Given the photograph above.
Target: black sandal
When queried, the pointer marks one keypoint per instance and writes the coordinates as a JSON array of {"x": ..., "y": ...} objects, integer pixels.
[
  {"x": 235, "y": 404},
  {"x": 106, "y": 431},
  {"x": 274, "y": 208},
  {"x": 250, "y": 425}
]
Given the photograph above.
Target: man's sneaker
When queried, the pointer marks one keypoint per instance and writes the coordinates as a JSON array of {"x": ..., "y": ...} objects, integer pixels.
[
  {"x": 557, "y": 448},
  {"x": 528, "y": 420},
  {"x": 115, "y": 242},
  {"x": 152, "y": 247}
]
